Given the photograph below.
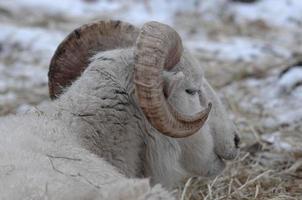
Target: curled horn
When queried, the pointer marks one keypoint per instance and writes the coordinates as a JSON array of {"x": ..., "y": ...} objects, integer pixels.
[
  {"x": 72, "y": 55},
  {"x": 159, "y": 47}
]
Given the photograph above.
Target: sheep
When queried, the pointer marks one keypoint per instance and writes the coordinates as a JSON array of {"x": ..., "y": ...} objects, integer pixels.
[{"x": 132, "y": 116}]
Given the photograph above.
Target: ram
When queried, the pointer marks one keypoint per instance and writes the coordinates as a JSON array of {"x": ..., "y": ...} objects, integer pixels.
[{"x": 132, "y": 116}]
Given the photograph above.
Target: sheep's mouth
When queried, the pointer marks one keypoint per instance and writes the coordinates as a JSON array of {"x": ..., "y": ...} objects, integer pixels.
[
  {"x": 220, "y": 165},
  {"x": 221, "y": 159},
  {"x": 230, "y": 155}
]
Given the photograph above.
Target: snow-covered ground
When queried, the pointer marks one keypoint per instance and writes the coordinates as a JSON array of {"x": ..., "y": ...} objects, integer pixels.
[
  {"x": 243, "y": 47},
  {"x": 283, "y": 13},
  {"x": 251, "y": 53}
]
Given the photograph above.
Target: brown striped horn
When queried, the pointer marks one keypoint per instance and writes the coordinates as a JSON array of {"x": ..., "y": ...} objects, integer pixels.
[
  {"x": 159, "y": 47},
  {"x": 72, "y": 55}
]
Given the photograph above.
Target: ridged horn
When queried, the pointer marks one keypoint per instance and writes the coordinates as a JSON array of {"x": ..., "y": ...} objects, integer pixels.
[
  {"x": 72, "y": 56},
  {"x": 159, "y": 47}
]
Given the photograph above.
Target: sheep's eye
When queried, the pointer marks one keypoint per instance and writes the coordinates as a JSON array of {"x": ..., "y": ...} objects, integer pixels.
[{"x": 191, "y": 91}]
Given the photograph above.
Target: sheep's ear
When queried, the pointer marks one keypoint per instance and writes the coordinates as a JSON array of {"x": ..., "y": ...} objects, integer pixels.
[
  {"x": 72, "y": 55},
  {"x": 171, "y": 82}
]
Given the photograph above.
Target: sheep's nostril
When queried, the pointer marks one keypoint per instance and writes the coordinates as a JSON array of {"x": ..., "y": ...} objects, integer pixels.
[{"x": 236, "y": 140}]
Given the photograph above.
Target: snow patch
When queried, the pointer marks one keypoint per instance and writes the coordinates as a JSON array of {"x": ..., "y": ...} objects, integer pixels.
[
  {"x": 239, "y": 48},
  {"x": 276, "y": 139},
  {"x": 39, "y": 42},
  {"x": 290, "y": 79},
  {"x": 134, "y": 11},
  {"x": 283, "y": 13}
]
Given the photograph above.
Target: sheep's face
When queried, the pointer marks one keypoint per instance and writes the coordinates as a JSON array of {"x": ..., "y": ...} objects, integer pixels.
[{"x": 203, "y": 152}]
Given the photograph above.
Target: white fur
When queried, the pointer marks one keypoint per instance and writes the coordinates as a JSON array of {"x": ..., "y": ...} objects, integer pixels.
[{"x": 94, "y": 142}]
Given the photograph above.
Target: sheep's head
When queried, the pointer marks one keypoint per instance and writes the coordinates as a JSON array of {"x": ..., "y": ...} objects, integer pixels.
[
  {"x": 180, "y": 103},
  {"x": 169, "y": 85}
]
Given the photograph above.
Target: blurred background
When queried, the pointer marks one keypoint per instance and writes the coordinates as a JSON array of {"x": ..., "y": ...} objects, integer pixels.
[{"x": 251, "y": 51}]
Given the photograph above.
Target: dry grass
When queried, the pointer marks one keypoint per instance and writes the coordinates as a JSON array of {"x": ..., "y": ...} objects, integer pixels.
[
  {"x": 262, "y": 175},
  {"x": 259, "y": 172}
]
